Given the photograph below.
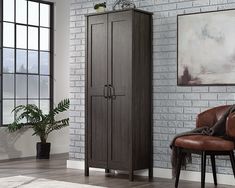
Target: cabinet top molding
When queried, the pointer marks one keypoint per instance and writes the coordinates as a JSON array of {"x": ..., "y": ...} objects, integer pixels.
[{"x": 121, "y": 10}]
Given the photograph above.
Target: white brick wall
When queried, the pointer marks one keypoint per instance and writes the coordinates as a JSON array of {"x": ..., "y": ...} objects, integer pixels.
[{"x": 175, "y": 108}]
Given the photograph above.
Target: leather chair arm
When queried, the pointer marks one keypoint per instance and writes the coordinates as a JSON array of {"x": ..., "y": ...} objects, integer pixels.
[{"x": 230, "y": 125}]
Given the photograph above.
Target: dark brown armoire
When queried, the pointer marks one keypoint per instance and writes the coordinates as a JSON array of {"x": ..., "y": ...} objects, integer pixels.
[{"x": 118, "y": 131}]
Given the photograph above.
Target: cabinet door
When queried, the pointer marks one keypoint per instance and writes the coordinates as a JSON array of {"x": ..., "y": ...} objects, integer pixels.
[
  {"x": 97, "y": 108},
  {"x": 119, "y": 77}
]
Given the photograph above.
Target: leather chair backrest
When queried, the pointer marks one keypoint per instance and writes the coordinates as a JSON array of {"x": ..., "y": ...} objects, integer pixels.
[{"x": 211, "y": 116}]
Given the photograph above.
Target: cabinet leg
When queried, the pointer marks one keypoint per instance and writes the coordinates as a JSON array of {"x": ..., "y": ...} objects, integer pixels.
[
  {"x": 86, "y": 171},
  {"x": 107, "y": 171},
  {"x": 150, "y": 173},
  {"x": 131, "y": 175}
]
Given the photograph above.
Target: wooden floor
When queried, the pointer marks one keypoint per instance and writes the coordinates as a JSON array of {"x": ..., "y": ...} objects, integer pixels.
[{"x": 55, "y": 169}]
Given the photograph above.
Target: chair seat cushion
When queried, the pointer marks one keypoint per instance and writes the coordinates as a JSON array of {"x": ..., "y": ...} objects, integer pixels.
[{"x": 204, "y": 143}]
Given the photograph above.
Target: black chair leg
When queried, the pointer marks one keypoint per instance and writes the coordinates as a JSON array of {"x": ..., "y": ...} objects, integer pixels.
[
  {"x": 179, "y": 163},
  {"x": 203, "y": 169},
  {"x": 232, "y": 159},
  {"x": 214, "y": 168}
]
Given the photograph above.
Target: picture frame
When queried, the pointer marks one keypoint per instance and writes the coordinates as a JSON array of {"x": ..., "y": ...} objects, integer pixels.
[{"x": 206, "y": 48}]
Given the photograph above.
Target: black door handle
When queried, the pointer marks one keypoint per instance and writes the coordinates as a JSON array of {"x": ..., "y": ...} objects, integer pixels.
[
  {"x": 105, "y": 91},
  {"x": 112, "y": 94}
]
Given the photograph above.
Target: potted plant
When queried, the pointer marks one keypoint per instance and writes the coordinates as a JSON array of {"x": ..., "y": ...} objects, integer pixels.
[
  {"x": 42, "y": 124},
  {"x": 100, "y": 7}
]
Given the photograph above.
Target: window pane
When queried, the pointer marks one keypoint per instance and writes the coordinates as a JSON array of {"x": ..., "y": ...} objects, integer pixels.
[
  {"x": 44, "y": 86},
  {"x": 44, "y": 62},
  {"x": 8, "y": 10},
  {"x": 21, "y": 86},
  {"x": 21, "y": 11},
  {"x": 33, "y": 82},
  {"x": 8, "y": 116},
  {"x": 33, "y": 62},
  {"x": 33, "y": 16},
  {"x": 9, "y": 35},
  {"x": 45, "y": 106},
  {"x": 21, "y": 61},
  {"x": 8, "y": 86},
  {"x": 44, "y": 15},
  {"x": 21, "y": 36},
  {"x": 33, "y": 38},
  {"x": 36, "y": 102},
  {"x": 25, "y": 80},
  {"x": 44, "y": 39},
  {"x": 21, "y": 102},
  {"x": 8, "y": 60}
]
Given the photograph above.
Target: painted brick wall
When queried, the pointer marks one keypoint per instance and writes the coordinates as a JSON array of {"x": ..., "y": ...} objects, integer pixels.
[{"x": 175, "y": 108}]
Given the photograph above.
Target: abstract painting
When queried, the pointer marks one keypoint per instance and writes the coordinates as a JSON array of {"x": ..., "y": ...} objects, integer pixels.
[{"x": 206, "y": 48}]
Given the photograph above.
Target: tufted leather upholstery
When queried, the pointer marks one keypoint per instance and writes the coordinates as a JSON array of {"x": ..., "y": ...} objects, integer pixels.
[{"x": 210, "y": 143}]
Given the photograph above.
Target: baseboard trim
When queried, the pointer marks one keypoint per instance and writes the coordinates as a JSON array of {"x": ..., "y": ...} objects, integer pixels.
[
  {"x": 52, "y": 156},
  {"x": 81, "y": 166},
  {"x": 166, "y": 174}
]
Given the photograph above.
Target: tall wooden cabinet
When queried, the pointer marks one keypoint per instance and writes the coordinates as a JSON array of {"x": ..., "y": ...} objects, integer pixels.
[{"x": 118, "y": 132}]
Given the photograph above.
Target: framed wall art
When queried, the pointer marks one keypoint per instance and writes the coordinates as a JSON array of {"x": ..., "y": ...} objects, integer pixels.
[{"x": 206, "y": 48}]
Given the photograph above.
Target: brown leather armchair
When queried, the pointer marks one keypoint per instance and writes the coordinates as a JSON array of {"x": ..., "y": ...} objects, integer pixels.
[{"x": 208, "y": 145}]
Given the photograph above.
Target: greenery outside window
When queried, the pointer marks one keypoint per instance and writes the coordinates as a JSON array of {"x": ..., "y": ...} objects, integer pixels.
[{"x": 26, "y": 56}]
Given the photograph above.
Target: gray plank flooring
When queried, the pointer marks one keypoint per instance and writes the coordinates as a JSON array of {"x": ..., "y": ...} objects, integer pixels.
[{"x": 55, "y": 169}]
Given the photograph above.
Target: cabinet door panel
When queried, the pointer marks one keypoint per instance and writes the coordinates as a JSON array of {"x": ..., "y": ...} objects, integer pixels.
[
  {"x": 97, "y": 50},
  {"x": 119, "y": 130},
  {"x": 98, "y": 130},
  {"x": 119, "y": 76},
  {"x": 96, "y": 80}
]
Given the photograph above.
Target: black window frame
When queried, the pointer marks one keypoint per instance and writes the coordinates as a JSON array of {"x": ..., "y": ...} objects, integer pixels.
[{"x": 51, "y": 52}]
